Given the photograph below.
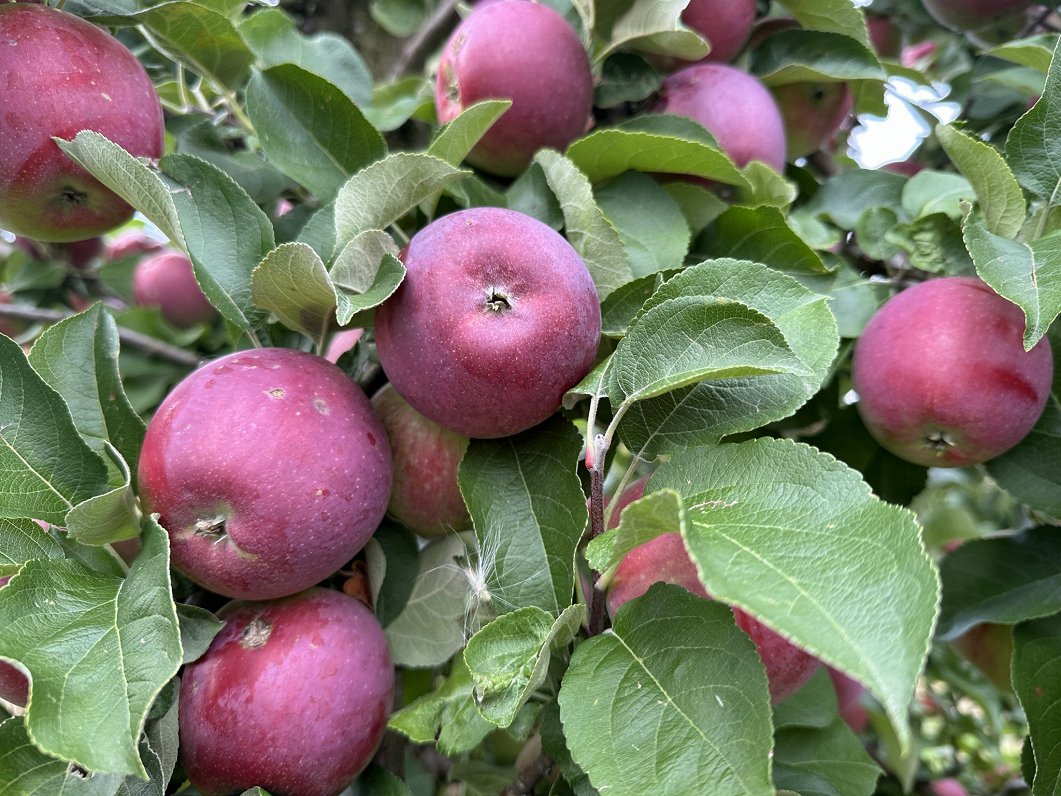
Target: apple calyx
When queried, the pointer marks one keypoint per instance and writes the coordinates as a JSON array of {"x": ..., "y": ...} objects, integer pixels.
[
  {"x": 255, "y": 634},
  {"x": 498, "y": 299},
  {"x": 72, "y": 198},
  {"x": 211, "y": 526},
  {"x": 939, "y": 441}
]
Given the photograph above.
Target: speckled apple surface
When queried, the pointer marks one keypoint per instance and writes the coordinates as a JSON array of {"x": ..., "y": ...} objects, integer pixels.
[
  {"x": 270, "y": 470},
  {"x": 293, "y": 696},
  {"x": 735, "y": 108},
  {"x": 942, "y": 376},
  {"x": 813, "y": 113},
  {"x": 58, "y": 75},
  {"x": 527, "y": 53},
  {"x": 664, "y": 560},
  {"x": 496, "y": 319}
]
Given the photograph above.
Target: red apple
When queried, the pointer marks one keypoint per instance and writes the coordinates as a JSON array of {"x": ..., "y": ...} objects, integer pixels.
[
  {"x": 947, "y": 787},
  {"x": 128, "y": 244},
  {"x": 269, "y": 470},
  {"x": 61, "y": 75},
  {"x": 496, "y": 319},
  {"x": 425, "y": 456},
  {"x": 942, "y": 376},
  {"x": 525, "y": 52},
  {"x": 849, "y": 700},
  {"x": 166, "y": 280},
  {"x": 734, "y": 107},
  {"x": 664, "y": 559},
  {"x": 292, "y": 695},
  {"x": 725, "y": 24},
  {"x": 884, "y": 35},
  {"x": 14, "y": 685},
  {"x": 989, "y": 647},
  {"x": 813, "y": 114}
]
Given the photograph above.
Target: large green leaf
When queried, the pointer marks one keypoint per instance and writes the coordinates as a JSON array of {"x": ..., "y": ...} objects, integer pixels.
[
  {"x": 797, "y": 539},
  {"x": 226, "y": 234},
  {"x": 997, "y": 190},
  {"x": 45, "y": 467},
  {"x": 529, "y": 513},
  {"x": 802, "y": 56},
  {"x": 762, "y": 234},
  {"x": 310, "y": 129},
  {"x": 649, "y": 222},
  {"x": 23, "y": 540},
  {"x": 671, "y": 698},
  {"x": 654, "y": 26},
  {"x": 1005, "y": 580},
  {"x": 78, "y": 358},
  {"x": 705, "y": 413},
  {"x": 1031, "y": 471},
  {"x": 26, "y": 771},
  {"x": 589, "y": 231},
  {"x": 292, "y": 283},
  {"x": 832, "y": 16},
  {"x": 1033, "y": 147},
  {"x": 99, "y": 649},
  {"x": 1037, "y": 679},
  {"x": 1028, "y": 274}
]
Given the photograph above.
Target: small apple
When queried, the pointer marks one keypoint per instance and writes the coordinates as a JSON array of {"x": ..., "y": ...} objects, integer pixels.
[
  {"x": 62, "y": 75},
  {"x": 735, "y": 108},
  {"x": 664, "y": 559},
  {"x": 527, "y": 53},
  {"x": 425, "y": 456},
  {"x": 989, "y": 647},
  {"x": 270, "y": 470},
  {"x": 942, "y": 376},
  {"x": 947, "y": 787},
  {"x": 129, "y": 243},
  {"x": 166, "y": 280},
  {"x": 14, "y": 685},
  {"x": 293, "y": 696},
  {"x": 725, "y": 24},
  {"x": 813, "y": 114},
  {"x": 884, "y": 35},
  {"x": 849, "y": 700},
  {"x": 496, "y": 319}
]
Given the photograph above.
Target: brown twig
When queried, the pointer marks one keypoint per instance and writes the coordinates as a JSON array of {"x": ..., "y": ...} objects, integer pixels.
[
  {"x": 541, "y": 767},
  {"x": 138, "y": 340},
  {"x": 424, "y": 36},
  {"x": 596, "y": 526}
]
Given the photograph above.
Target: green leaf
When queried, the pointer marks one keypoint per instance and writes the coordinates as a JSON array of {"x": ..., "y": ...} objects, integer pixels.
[
  {"x": 202, "y": 39},
  {"x": 400, "y": 18},
  {"x": 22, "y": 540},
  {"x": 934, "y": 244},
  {"x": 762, "y": 234},
  {"x": 109, "y": 517},
  {"x": 456, "y": 139},
  {"x": 27, "y": 771},
  {"x": 509, "y": 658},
  {"x": 45, "y": 467},
  {"x": 1028, "y": 274},
  {"x": 1031, "y": 472},
  {"x": 832, "y": 16},
  {"x": 671, "y": 698},
  {"x": 609, "y": 152},
  {"x": 653, "y": 230},
  {"x": 806, "y": 56},
  {"x": 654, "y": 26},
  {"x": 393, "y": 560},
  {"x": 197, "y": 628},
  {"x": 1034, "y": 52},
  {"x": 1037, "y": 679},
  {"x": 767, "y": 517},
  {"x": 275, "y": 40},
  {"x": 99, "y": 650},
  {"x": 929, "y": 192},
  {"x": 227, "y": 235},
  {"x": 529, "y": 512},
  {"x": 384, "y": 191},
  {"x": 843, "y": 199},
  {"x": 829, "y": 761},
  {"x": 1004, "y": 581},
  {"x": 310, "y": 129},
  {"x": 388, "y": 277},
  {"x": 130, "y": 178},
  {"x": 430, "y": 627},
  {"x": 448, "y": 713},
  {"x": 997, "y": 190},
  {"x": 1033, "y": 147},
  {"x": 590, "y": 233},
  {"x": 705, "y": 413},
  {"x": 78, "y": 358},
  {"x": 393, "y": 104},
  {"x": 554, "y": 744},
  {"x": 622, "y": 306},
  {"x": 378, "y": 781},
  {"x": 625, "y": 77},
  {"x": 293, "y": 284}
]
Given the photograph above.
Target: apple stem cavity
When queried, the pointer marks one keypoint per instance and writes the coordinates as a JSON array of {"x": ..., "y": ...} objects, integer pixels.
[
  {"x": 939, "y": 441},
  {"x": 71, "y": 197},
  {"x": 498, "y": 300},
  {"x": 211, "y": 526}
]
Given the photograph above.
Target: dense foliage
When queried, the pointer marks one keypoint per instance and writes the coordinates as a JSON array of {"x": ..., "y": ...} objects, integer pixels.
[{"x": 298, "y": 166}]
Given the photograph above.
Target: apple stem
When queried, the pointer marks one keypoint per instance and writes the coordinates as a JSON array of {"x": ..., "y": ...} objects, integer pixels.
[{"x": 596, "y": 528}]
